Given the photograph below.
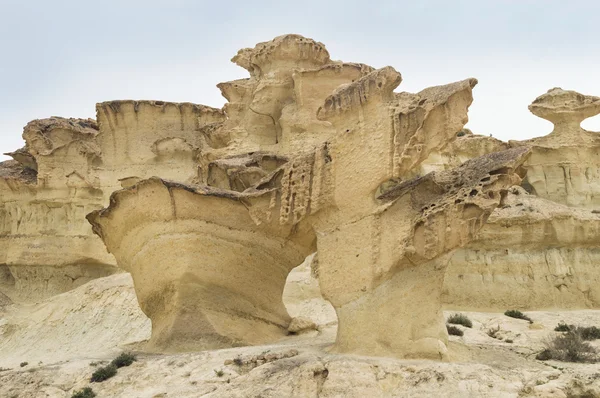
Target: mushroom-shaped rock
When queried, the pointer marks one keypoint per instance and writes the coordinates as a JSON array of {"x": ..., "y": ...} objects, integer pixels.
[
  {"x": 386, "y": 283},
  {"x": 283, "y": 53},
  {"x": 206, "y": 270},
  {"x": 565, "y": 108},
  {"x": 564, "y": 164}
]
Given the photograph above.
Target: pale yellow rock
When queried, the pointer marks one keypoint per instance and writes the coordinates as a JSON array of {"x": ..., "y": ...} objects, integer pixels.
[
  {"x": 313, "y": 153},
  {"x": 532, "y": 254},
  {"x": 540, "y": 249},
  {"x": 205, "y": 273},
  {"x": 466, "y": 146},
  {"x": 301, "y": 325},
  {"x": 564, "y": 164},
  {"x": 70, "y": 167},
  {"x": 302, "y": 294},
  {"x": 45, "y": 246}
]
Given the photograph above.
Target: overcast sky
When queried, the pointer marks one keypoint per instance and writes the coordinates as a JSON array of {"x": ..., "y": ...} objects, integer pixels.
[{"x": 58, "y": 58}]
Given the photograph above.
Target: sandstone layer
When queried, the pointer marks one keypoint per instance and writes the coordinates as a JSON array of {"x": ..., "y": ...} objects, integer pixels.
[{"x": 540, "y": 250}]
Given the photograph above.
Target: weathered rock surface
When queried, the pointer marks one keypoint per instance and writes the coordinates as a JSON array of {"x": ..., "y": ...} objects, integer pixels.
[
  {"x": 564, "y": 165},
  {"x": 68, "y": 168},
  {"x": 313, "y": 153},
  {"x": 45, "y": 245},
  {"x": 540, "y": 249},
  {"x": 466, "y": 146},
  {"x": 205, "y": 273}
]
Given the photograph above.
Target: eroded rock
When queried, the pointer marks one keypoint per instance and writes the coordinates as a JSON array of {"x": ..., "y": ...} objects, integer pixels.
[
  {"x": 68, "y": 168},
  {"x": 540, "y": 249},
  {"x": 312, "y": 152}
]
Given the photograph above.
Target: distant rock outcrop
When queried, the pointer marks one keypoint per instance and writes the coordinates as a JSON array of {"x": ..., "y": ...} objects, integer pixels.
[
  {"x": 68, "y": 168},
  {"x": 540, "y": 250}
]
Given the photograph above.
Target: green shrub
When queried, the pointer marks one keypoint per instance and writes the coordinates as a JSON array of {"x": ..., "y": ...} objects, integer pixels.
[
  {"x": 562, "y": 327},
  {"x": 544, "y": 355},
  {"x": 460, "y": 319},
  {"x": 124, "y": 359},
  {"x": 454, "y": 331},
  {"x": 588, "y": 333},
  {"x": 518, "y": 315},
  {"x": 23, "y": 364},
  {"x": 568, "y": 347},
  {"x": 238, "y": 361},
  {"x": 84, "y": 393},
  {"x": 219, "y": 372},
  {"x": 104, "y": 373}
]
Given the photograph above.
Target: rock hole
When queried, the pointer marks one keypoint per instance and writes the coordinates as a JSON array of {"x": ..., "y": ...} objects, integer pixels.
[
  {"x": 302, "y": 294},
  {"x": 502, "y": 170}
]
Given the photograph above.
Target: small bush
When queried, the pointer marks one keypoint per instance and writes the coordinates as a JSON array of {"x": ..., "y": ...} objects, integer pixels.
[
  {"x": 454, "y": 331},
  {"x": 562, "y": 327},
  {"x": 588, "y": 333},
  {"x": 219, "y": 372},
  {"x": 568, "y": 347},
  {"x": 518, "y": 315},
  {"x": 508, "y": 341},
  {"x": 124, "y": 359},
  {"x": 104, "y": 373},
  {"x": 84, "y": 393},
  {"x": 460, "y": 319},
  {"x": 238, "y": 361},
  {"x": 544, "y": 355},
  {"x": 23, "y": 364}
]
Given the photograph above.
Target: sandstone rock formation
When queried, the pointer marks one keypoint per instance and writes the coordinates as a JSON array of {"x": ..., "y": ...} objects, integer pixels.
[
  {"x": 313, "y": 154},
  {"x": 68, "y": 168},
  {"x": 466, "y": 146},
  {"x": 540, "y": 249},
  {"x": 45, "y": 245}
]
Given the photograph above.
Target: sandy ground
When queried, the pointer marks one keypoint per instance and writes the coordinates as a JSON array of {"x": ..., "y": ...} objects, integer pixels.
[{"x": 64, "y": 339}]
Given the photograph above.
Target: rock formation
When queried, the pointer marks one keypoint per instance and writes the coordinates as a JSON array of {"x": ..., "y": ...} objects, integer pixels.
[
  {"x": 68, "y": 168},
  {"x": 45, "y": 245},
  {"x": 313, "y": 154},
  {"x": 540, "y": 249}
]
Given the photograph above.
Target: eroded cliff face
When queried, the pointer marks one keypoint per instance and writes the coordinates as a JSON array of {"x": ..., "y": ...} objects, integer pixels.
[
  {"x": 68, "y": 168},
  {"x": 46, "y": 247},
  {"x": 540, "y": 250}
]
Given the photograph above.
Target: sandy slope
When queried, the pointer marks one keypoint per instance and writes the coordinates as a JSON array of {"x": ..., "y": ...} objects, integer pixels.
[
  {"x": 94, "y": 319},
  {"x": 94, "y": 322}
]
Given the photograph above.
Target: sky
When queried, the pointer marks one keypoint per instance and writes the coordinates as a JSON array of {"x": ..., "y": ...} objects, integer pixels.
[{"x": 59, "y": 58}]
